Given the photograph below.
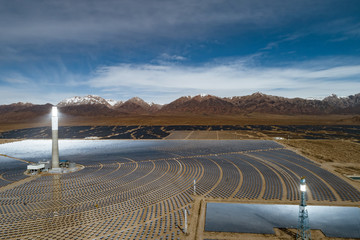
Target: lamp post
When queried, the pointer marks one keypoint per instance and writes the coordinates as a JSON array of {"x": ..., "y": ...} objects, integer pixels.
[
  {"x": 185, "y": 224},
  {"x": 194, "y": 186},
  {"x": 55, "y": 144}
]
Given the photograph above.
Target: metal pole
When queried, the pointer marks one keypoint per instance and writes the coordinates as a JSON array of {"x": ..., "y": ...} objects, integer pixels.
[{"x": 194, "y": 186}]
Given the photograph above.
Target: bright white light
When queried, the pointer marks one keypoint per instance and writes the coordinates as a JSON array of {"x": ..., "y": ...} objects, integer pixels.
[
  {"x": 54, "y": 111},
  {"x": 303, "y": 187}
]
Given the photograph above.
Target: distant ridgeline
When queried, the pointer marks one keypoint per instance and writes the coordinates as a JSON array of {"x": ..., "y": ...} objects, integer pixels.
[
  {"x": 96, "y": 106},
  {"x": 161, "y": 132}
]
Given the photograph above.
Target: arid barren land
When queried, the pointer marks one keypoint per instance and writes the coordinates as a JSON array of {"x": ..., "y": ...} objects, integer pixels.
[
  {"x": 183, "y": 119},
  {"x": 338, "y": 156}
]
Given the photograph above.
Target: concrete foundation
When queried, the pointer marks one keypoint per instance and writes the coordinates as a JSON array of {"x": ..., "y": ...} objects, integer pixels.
[{"x": 55, "y": 170}]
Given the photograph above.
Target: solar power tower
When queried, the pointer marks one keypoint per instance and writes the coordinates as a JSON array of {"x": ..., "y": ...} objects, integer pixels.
[
  {"x": 303, "y": 231},
  {"x": 55, "y": 145}
]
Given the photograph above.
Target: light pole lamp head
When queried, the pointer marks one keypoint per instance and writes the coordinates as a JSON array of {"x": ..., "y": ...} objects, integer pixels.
[
  {"x": 302, "y": 185},
  {"x": 54, "y": 111}
]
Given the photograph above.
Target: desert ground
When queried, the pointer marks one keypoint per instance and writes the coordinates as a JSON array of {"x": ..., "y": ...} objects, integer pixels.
[
  {"x": 339, "y": 155},
  {"x": 184, "y": 119},
  {"x": 2, "y": 141}
]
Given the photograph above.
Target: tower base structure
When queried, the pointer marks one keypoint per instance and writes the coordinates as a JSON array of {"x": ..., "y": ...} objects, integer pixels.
[
  {"x": 55, "y": 170},
  {"x": 303, "y": 231}
]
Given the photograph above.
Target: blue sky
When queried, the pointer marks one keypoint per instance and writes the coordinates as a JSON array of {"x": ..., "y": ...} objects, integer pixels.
[{"x": 161, "y": 50}]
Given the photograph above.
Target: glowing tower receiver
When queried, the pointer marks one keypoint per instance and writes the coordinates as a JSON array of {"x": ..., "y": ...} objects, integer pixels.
[
  {"x": 303, "y": 231},
  {"x": 55, "y": 145}
]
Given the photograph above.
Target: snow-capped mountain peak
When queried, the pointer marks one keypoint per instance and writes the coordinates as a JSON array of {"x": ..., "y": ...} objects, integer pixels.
[
  {"x": 113, "y": 102},
  {"x": 89, "y": 99}
]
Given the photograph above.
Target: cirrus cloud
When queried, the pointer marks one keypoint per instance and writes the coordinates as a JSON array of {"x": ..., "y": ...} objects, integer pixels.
[{"x": 228, "y": 79}]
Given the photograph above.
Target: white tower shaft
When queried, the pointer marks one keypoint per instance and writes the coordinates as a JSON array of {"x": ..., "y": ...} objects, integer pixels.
[{"x": 55, "y": 144}]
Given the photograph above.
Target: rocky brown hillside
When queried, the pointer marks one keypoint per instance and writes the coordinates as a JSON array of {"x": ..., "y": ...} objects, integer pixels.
[
  {"x": 133, "y": 105},
  {"x": 262, "y": 103},
  {"x": 20, "y": 111},
  {"x": 200, "y": 104}
]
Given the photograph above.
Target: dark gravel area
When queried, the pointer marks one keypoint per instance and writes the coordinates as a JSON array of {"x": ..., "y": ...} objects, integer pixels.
[{"x": 160, "y": 132}]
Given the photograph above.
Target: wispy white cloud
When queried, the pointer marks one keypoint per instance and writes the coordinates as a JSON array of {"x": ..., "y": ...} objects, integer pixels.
[
  {"x": 16, "y": 78},
  {"x": 166, "y": 56},
  {"x": 287, "y": 38},
  {"x": 228, "y": 79},
  {"x": 168, "y": 59},
  {"x": 164, "y": 83},
  {"x": 231, "y": 78}
]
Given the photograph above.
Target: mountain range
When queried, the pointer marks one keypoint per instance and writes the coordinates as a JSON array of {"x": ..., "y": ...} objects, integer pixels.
[{"x": 201, "y": 104}]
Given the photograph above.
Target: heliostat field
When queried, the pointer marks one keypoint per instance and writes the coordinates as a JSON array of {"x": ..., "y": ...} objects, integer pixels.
[{"x": 140, "y": 189}]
